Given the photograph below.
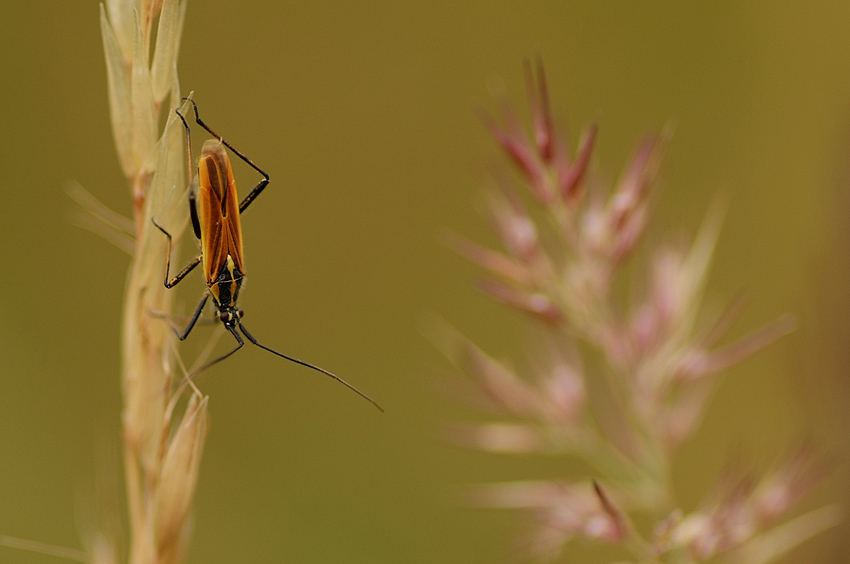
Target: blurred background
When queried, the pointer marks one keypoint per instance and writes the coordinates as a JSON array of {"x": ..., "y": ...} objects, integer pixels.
[{"x": 363, "y": 115}]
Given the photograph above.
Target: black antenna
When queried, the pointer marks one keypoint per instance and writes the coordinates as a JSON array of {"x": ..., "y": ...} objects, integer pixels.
[{"x": 301, "y": 362}]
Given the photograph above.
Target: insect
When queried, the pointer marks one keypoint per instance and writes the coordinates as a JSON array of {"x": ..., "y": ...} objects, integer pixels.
[{"x": 215, "y": 214}]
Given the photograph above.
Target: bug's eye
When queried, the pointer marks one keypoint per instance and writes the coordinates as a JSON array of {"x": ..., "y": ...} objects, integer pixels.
[
  {"x": 241, "y": 314},
  {"x": 224, "y": 316}
]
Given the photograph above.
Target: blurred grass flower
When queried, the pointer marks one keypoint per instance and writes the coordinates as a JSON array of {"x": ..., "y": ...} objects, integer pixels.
[{"x": 565, "y": 238}]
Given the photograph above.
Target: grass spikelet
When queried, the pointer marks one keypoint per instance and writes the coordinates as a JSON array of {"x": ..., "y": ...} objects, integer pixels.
[{"x": 162, "y": 447}]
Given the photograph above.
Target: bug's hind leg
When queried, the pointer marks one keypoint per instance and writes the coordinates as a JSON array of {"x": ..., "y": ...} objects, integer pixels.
[
  {"x": 260, "y": 186},
  {"x": 193, "y": 209}
]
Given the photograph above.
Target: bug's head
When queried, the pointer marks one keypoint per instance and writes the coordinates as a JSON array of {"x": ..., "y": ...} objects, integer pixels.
[{"x": 230, "y": 316}]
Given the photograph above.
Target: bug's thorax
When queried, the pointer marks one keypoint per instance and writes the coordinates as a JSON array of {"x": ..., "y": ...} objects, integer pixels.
[{"x": 225, "y": 287}]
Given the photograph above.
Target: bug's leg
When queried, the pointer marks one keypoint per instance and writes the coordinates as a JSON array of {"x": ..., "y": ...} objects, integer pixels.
[
  {"x": 204, "y": 321},
  {"x": 193, "y": 213},
  {"x": 260, "y": 186},
  {"x": 246, "y": 201},
  {"x": 197, "y": 314},
  {"x": 191, "y": 266},
  {"x": 193, "y": 210},
  {"x": 194, "y": 320},
  {"x": 219, "y": 359},
  {"x": 308, "y": 365}
]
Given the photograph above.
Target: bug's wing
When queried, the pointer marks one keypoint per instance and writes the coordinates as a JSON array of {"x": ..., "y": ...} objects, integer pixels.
[
  {"x": 232, "y": 224},
  {"x": 213, "y": 192}
]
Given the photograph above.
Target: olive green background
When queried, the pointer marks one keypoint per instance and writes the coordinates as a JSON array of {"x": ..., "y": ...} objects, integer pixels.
[{"x": 363, "y": 115}]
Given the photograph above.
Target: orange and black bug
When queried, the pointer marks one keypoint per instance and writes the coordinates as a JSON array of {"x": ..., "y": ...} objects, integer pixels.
[{"x": 215, "y": 213}]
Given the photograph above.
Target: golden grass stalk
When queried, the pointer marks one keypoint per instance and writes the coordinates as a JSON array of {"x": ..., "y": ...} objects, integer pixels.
[{"x": 162, "y": 446}]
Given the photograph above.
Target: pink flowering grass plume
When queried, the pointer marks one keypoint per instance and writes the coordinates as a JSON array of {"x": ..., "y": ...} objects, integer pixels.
[
  {"x": 560, "y": 512},
  {"x": 565, "y": 238},
  {"x": 742, "y": 507}
]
